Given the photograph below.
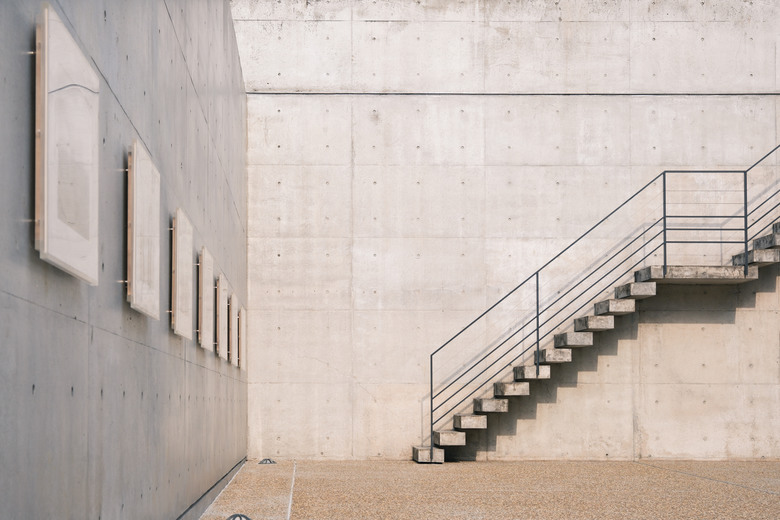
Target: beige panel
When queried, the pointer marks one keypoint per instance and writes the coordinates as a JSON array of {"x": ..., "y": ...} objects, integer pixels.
[
  {"x": 242, "y": 339},
  {"x": 181, "y": 276},
  {"x": 223, "y": 289},
  {"x": 143, "y": 234},
  {"x": 233, "y": 330},
  {"x": 66, "y": 152},
  {"x": 206, "y": 300}
]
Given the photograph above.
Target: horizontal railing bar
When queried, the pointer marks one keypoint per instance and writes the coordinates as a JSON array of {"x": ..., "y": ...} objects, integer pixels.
[
  {"x": 705, "y": 241},
  {"x": 704, "y": 171},
  {"x": 705, "y": 216},
  {"x": 703, "y": 229}
]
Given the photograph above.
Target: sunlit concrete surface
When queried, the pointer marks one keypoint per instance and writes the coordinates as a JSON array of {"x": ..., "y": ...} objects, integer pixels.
[{"x": 503, "y": 490}]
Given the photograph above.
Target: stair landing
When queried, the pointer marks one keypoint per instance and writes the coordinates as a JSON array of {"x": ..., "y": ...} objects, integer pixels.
[{"x": 696, "y": 274}]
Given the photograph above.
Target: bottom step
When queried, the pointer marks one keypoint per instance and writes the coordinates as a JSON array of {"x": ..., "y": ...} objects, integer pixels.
[{"x": 422, "y": 454}]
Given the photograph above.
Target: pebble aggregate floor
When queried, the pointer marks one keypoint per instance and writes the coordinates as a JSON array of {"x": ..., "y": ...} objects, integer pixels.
[{"x": 502, "y": 490}]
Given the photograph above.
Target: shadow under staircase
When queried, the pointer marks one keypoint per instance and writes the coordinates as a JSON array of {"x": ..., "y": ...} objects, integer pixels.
[{"x": 683, "y": 227}]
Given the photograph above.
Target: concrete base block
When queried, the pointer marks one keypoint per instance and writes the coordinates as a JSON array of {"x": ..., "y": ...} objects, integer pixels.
[
  {"x": 511, "y": 389},
  {"x": 422, "y": 454},
  {"x": 491, "y": 405},
  {"x": 529, "y": 372},
  {"x": 463, "y": 421},
  {"x": 614, "y": 307},
  {"x": 594, "y": 323},
  {"x": 449, "y": 438},
  {"x": 574, "y": 339}
]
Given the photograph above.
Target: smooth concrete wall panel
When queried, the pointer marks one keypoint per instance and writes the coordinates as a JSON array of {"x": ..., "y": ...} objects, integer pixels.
[
  {"x": 117, "y": 445},
  {"x": 557, "y": 57},
  {"x": 437, "y": 154}
]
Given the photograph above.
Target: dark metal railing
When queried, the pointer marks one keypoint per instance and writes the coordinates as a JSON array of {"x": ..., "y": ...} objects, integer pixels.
[{"x": 649, "y": 224}]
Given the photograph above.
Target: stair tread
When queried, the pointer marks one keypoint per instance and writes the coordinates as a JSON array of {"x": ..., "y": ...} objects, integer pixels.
[
  {"x": 557, "y": 355},
  {"x": 515, "y": 388},
  {"x": 491, "y": 405},
  {"x": 466, "y": 421},
  {"x": 449, "y": 438},
  {"x": 635, "y": 291},
  {"x": 594, "y": 323},
  {"x": 757, "y": 257},
  {"x": 528, "y": 372},
  {"x": 573, "y": 339},
  {"x": 614, "y": 307}
]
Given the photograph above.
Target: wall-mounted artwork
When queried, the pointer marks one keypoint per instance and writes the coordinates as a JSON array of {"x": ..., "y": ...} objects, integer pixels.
[
  {"x": 67, "y": 94},
  {"x": 233, "y": 333},
  {"x": 222, "y": 316},
  {"x": 206, "y": 300},
  {"x": 242, "y": 338},
  {"x": 143, "y": 232},
  {"x": 181, "y": 276}
]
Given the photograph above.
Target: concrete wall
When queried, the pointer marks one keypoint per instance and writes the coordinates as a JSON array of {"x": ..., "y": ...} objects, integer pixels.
[
  {"x": 409, "y": 162},
  {"x": 104, "y": 412}
]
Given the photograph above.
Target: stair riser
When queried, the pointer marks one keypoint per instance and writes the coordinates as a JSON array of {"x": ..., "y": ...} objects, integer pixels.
[
  {"x": 561, "y": 355},
  {"x": 594, "y": 323},
  {"x": 469, "y": 422},
  {"x": 449, "y": 438},
  {"x": 574, "y": 339},
  {"x": 491, "y": 405},
  {"x": 614, "y": 307},
  {"x": 529, "y": 372},
  {"x": 511, "y": 389}
]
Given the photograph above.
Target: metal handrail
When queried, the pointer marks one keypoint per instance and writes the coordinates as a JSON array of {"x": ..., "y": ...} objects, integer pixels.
[{"x": 537, "y": 321}]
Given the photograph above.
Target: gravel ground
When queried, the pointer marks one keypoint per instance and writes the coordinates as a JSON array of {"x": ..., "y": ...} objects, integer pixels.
[{"x": 503, "y": 490}]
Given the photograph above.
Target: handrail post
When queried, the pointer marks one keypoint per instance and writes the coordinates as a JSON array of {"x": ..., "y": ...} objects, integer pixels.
[
  {"x": 663, "y": 182},
  {"x": 536, "y": 357},
  {"x": 745, "y": 201},
  {"x": 431, "y": 430}
]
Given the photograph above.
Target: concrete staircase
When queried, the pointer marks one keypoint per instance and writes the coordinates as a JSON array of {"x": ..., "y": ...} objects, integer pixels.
[{"x": 765, "y": 251}]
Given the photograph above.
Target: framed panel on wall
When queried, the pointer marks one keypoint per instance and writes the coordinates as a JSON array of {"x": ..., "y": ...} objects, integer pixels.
[
  {"x": 181, "y": 276},
  {"x": 222, "y": 316},
  {"x": 242, "y": 338},
  {"x": 143, "y": 232},
  {"x": 67, "y": 103},
  {"x": 206, "y": 299},
  {"x": 233, "y": 332}
]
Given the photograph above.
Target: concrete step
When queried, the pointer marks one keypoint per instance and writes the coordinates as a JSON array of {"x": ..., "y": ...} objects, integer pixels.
[
  {"x": 574, "y": 339},
  {"x": 555, "y": 355},
  {"x": 449, "y": 438},
  {"x": 769, "y": 241},
  {"x": 757, "y": 257},
  {"x": 696, "y": 274},
  {"x": 614, "y": 307},
  {"x": 511, "y": 389},
  {"x": 635, "y": 291},
  {"x": 465, "y": 421},
  {"x": 486, "y": 405},
  {"x": 594, "y": 323},
  {"x": 422, "y": 454},
  {"x": 525, "y": 372}
]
